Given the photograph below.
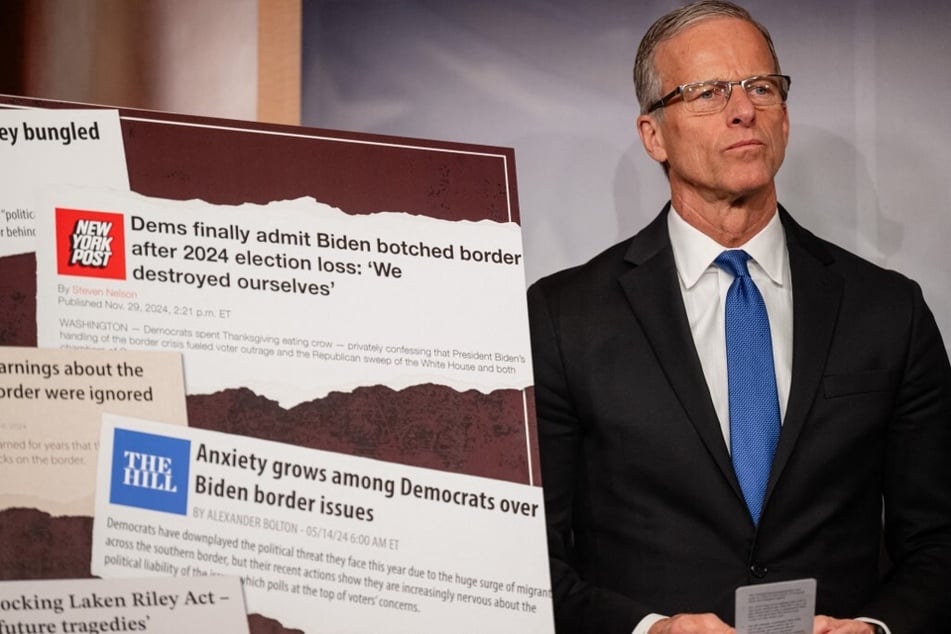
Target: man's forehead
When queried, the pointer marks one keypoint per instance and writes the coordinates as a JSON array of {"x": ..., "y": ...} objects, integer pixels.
[{"x": 713, "y": 48}]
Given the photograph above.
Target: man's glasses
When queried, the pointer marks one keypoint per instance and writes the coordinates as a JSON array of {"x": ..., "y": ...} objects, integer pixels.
[{"x": 707, "y": 97}]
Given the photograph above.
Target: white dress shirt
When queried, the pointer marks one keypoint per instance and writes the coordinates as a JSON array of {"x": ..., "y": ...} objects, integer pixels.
[{"x": 704, "y": 286}]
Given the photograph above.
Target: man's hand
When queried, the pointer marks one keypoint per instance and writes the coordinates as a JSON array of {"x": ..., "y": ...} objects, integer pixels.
[
  {"x": 695, "y": 624},
  {"x": 829, "y": 625}
]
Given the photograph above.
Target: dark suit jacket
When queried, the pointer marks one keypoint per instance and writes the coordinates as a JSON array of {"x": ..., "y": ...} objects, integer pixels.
[{"x": 644, "y": 510}]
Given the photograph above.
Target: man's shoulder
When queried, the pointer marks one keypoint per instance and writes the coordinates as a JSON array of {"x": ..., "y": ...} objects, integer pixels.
[
  {"x": 586, "y": 284},
  {"x": 863, "y": 291},
  {"x": 601, "y": 272},
  {"x": 603, "y": 269},
  {"x": 851, "y": 267}
]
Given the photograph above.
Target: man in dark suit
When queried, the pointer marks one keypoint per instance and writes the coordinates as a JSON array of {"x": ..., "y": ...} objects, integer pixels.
[{"x": 653, "y": 521}]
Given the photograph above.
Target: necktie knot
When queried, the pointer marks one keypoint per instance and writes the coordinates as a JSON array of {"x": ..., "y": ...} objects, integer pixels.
[{"x": 734, "y": 262}]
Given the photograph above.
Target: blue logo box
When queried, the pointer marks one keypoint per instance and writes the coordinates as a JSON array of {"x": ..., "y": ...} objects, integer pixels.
[{"x": 150, "y": 471}]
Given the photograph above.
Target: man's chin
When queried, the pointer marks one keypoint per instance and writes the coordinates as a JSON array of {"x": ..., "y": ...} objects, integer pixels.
[{"x": 748, "y": 183}]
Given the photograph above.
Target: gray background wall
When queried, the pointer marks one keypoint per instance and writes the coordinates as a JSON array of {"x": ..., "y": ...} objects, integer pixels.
[{"x": 869, "y": 159}]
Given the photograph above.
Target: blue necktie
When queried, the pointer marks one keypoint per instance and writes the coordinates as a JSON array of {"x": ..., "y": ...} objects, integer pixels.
[{"x": 754, "y": 404}]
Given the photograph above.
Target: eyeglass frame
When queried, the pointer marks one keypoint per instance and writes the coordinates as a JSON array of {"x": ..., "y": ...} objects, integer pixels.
[{"x": 664, "y": 101}]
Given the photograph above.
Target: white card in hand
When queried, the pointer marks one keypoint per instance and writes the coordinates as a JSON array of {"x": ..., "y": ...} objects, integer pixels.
[{"x": 786, "y": 607}]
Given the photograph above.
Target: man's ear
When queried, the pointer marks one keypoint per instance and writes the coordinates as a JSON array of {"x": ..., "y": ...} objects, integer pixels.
[{"x": 649, "y": 129}]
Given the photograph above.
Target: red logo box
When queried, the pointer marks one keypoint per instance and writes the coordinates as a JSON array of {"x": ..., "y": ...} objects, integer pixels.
[{"x": 90, "y": 243}]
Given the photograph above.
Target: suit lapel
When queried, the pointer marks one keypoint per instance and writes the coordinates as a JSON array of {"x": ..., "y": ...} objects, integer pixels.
[
  {"x": 817, "y": 293},
  {"x": 653, "y": 292}
]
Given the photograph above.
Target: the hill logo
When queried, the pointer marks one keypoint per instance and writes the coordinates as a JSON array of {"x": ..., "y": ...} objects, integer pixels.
[
  {"x": 150, "y": 471},
  {"x": 90, "y": 243}
]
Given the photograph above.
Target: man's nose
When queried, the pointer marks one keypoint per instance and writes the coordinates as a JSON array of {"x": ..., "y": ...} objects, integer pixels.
[{"x": 740, "y": 109}]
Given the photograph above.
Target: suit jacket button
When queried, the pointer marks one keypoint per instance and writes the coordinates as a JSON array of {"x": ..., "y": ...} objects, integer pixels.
[{"x": 758, "y": 570}]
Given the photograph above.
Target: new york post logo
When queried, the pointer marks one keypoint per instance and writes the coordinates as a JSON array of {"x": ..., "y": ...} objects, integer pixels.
[
  {"x": 150, "y": 471},
  {"x": 90, "y": 243}
]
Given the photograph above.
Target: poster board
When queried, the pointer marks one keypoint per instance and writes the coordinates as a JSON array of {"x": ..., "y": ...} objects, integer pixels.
[{"x": 227, "y": 164}]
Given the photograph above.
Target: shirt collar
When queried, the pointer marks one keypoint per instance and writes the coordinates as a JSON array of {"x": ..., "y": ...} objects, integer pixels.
[{"x": 694, "y": 251}]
